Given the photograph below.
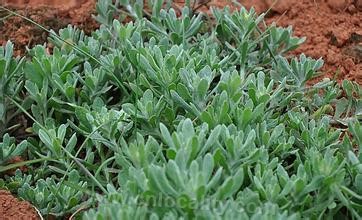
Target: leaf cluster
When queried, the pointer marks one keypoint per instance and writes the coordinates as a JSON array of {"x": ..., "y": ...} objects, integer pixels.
[{"x": 159, "y": 119}]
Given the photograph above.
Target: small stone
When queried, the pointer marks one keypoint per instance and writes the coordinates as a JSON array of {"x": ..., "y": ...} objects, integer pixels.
[
  {"x": 352, "y": 9},
  {"x": 348, "y": 64},
  {"x": 337, "y": 4}
]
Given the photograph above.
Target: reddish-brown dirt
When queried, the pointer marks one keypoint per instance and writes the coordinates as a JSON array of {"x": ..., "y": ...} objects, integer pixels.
[
  {"x": 333, "y": 31},
  {"x": 333, "y": 27},
  {"x": 52, "y": 14},
  {"x": 11, "y": 208},
  {"x": 52, "y": 3}
]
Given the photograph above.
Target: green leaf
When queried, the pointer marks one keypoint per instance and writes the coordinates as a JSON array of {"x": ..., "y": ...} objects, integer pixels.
[
  {"x": 238, "y": 180},
  {"x": 32, "y": 89},
  {"x": 202, "y": 87},
  {"x": 71, "y": 143},
  {"x": 188, "y": 128},
  {"x": 20, "y": 148},
  {"x": 358, "y": 183},
  {"x": 183, "y": 103},
  {"x": 44, "y": 137},
  {"x": 215, "y": 179},
  {"x": 167, "y": 136},
  {"x": 157, "y": 5},
  {"x": 81, "y": 114},
  {"x": 174, "y": 173},
  {"x": 206, "y": 117},
  {"x": 212, "y": 139},
  {"x": 2, "y": 70},
  {"x": 61, "y": 132},
  {"x": 225, "y": 189},
  {"x": 208, "y": 166},
  {"x": 246, "y": 117},
  {"x": 158, "y": 176},
  {"x": 183, "y": 92},
  {"x": 2, "y": 112},
  {"x": 220, "y": 159}
]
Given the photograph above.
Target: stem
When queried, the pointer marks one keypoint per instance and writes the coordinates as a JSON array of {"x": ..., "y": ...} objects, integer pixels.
[{"x": 3, "y": 115}]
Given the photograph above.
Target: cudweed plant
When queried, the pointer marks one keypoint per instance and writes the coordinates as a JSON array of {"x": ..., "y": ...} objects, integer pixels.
[
  {"x": 11, "y": 84},
  {"x": 55, "y": 198},
  {"x": 9, "y": 149},
  {"x": 162, "y": 118}
]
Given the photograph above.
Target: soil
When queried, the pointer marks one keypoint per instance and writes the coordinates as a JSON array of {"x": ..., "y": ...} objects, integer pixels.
[
  {"x": 52, "y": 14},
  {"x": 333, "y": 28},
  {"x": 11, "y": 208},
  {"x": 333, "y": 31}
]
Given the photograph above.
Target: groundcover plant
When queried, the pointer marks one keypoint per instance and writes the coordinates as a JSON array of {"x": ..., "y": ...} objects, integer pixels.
[{"x": 177, "y": 115}]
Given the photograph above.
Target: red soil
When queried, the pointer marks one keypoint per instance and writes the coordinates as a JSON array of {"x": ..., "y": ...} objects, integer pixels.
[
  {"x": 11, "y": 208},
  {"x": 334, "y": 32},
  {"x": 333, "y": 27},
  {"x": 52, "y": 14},
  {"x": 53, "y": 3}
]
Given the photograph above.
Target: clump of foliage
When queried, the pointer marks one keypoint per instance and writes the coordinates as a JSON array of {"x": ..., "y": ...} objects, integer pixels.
[
  {"x": 170, "y": 117},
  {"x": 11, "y": 84}
]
